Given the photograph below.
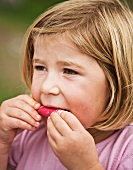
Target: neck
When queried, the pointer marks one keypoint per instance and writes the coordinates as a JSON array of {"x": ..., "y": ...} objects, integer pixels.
[{"x": 99, "y": 136}]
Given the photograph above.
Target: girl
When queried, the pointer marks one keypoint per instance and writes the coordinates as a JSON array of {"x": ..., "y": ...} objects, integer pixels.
[{"x": 78, "y": 62}]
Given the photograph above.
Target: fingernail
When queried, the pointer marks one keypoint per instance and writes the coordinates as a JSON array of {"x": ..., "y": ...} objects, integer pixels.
[
  {"x": 37, "y": 123},
  {"x": 49, "y": 117},
  {"x": 38, "y": 116},
  {"x": 59, "y": 111},
  {"x": 37, "y": 105}
]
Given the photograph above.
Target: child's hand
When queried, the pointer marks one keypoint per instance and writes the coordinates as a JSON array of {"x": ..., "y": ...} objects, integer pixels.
[
  {"x": 17, "y": 114},
  {"x": 71, "y": 143}
]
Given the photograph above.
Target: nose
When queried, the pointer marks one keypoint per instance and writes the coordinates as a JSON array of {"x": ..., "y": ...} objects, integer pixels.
[{"x": 50, "y": 85}]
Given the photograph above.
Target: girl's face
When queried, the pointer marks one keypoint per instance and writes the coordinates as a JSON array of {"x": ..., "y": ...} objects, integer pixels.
[{"x": 67, "y": 79}]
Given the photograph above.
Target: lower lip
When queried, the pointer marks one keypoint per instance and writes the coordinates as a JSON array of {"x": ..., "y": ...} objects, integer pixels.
[{"x": 46, "y": 111}]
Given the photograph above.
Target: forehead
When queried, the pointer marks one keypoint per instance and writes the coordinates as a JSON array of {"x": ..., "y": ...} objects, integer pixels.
[
  {"x": 52, "y": 41},
  {"x": 49, "y": 38}
]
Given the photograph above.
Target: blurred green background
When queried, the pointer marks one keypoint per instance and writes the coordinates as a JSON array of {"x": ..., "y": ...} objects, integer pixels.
[{"x": 15, "y": 17}]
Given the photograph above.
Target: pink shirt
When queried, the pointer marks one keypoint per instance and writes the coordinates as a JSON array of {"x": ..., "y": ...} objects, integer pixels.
[{"x": 31, "y": 151}]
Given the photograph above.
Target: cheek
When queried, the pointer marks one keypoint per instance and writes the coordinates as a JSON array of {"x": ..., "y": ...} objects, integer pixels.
[
  {"x": 87, "y": 107},
  {"x": 35, "y": 91},
  {"x": 85, "y": 114},
  {"x": 81, "y": 107}
]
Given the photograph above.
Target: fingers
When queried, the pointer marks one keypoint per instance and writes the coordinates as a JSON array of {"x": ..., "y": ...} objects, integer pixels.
[
  {"x": 20, "y": 107},
  {"x": 15, "y": 123},
  {"x": 21, "y": 115},
  {"x": 23, "y": 103},
  {"x": 69, "y": 119},
  {"x": 53, "y": 134},
  {"x": 30, "y": 101},
  {"x": 57, "y": 129},
  {"x": 68, "y": 137},
  {"x": 72, "y": 121},
  {"x": 62, "y": 124},
  {"x": 58, "y": 124},
  {"x": 20, "y": 110}
]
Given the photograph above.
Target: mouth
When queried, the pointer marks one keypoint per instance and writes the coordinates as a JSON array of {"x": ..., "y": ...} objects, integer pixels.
[{"x": 46, "y": 111}]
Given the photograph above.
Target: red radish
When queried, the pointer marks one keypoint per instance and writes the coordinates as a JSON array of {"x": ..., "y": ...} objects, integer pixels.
[{"x": 46, "y": 111}]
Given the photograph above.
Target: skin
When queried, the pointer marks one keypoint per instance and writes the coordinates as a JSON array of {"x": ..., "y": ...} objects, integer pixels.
[
  {"x": 16, "y": 114},
  {"x": 66, "y": 79}
]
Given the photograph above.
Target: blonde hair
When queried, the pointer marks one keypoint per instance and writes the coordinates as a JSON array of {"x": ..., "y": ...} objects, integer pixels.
[{"x": 102, "y": 29}]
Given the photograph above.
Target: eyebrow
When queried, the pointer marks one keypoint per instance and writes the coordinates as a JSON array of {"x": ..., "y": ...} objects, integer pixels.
[
  {"x": 36, "y": 60},
  {"x": 69, "y": 63},
  {"x": 64, "y": 63}
]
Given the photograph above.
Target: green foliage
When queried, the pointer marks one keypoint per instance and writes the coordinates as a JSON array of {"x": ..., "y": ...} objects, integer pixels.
[
  {"x": 14, "y": 20},
  {"x": 25, "y": 12}
]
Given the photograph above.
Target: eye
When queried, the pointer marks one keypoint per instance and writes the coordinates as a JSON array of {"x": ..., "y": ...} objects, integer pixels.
[
  {"x": 40, "y": 68},
  {"x": 69, "y": 71}
]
